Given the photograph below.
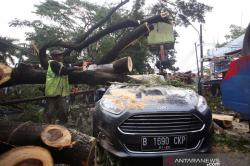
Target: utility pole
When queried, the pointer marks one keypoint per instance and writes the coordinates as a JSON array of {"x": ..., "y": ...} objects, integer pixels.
[
  {"x": 201, "y": 49},
  {"x": 197, "y": 60},
  {"x": 198, "y": 70},
  {"x": 201, "y": 58}
]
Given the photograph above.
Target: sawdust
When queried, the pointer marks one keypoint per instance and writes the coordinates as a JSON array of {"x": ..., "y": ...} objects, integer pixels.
[
  {"x": 125, "y": 99},
  {"x": 136, "y": 97},
  {"x": 139, "y": 105}
]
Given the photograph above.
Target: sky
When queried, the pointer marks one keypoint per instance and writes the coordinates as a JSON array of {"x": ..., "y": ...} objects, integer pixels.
[{"x": 224, "y": 13}]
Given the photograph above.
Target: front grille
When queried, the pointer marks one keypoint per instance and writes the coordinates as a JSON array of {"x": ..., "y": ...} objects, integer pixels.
[{"x": 161, "y": 123}]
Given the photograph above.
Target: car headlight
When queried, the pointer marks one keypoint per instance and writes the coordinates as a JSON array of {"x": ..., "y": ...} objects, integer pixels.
[
  {"x": 202, "y": 104},
  {"x": 113, "y": 106}
]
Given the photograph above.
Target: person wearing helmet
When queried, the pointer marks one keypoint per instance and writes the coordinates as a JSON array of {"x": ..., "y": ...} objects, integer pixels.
[{"x": 57, "y": 88}]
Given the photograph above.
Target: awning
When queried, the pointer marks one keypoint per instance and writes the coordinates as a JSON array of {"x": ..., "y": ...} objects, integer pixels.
[{"x": 228, "y": 49}]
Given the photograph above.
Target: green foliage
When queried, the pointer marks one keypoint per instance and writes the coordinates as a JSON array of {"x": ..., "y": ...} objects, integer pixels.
[
  {"x": 32, "y": 111},
  {"x": 177, "y": 83},
  {"x": 7, "y": 49},
  {"x": 215, "y": 104},
  {"x": 61, "y": 20},
  {"x": 137, "y": 12},
  {"x": 149, "y": 80},
  {"x": 225, "y": 140},
  {"x": 172, "y": 60},
  {"x": 235, "y": 31},
  {"x": 183, "y": 11}
]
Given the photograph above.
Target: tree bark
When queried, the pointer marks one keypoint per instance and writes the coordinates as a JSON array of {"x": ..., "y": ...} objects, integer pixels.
[
  {"x": 80, "y": 152},
  {"x": 25, "y": 74}
]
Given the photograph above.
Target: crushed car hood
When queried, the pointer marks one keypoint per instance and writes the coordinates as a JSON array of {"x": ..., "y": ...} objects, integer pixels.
[{"x": 129, "y": 97}]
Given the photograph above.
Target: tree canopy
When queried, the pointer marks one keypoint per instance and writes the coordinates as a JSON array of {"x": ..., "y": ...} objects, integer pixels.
[
  {"x": 235, "y": 31},
  {"x": 72, "y": 21}
]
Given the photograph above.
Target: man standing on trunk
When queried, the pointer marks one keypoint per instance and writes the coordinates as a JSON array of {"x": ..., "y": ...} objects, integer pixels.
[{"x": 57, "y": 88}]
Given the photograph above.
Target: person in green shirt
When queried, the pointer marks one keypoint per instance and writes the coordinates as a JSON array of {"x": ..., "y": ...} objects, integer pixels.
[{"x": 57, "y": 88}]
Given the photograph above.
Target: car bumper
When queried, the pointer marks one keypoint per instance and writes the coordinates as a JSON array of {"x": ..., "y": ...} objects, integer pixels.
[{"x": 121, "y": 144}]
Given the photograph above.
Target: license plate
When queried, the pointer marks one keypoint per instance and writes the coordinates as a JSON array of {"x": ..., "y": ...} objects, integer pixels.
[{"x": 160, "y": 143}]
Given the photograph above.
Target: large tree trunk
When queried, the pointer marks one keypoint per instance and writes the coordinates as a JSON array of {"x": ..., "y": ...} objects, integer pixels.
[
  {"x": 79, "y": 151},
  {"x": 25, "y": 74}
]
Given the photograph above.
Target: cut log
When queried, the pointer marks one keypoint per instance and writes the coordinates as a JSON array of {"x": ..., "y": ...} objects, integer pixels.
[
  {"x": 24, "y": 74},
  {"x": 81, "y": 153},
  {"x": 224, "y": 121},
  {"x": 123, "y": 65},
  {"x": 81, "y": 149},
  {"x": 5, "y": 73},
  {"x": 27, "y": 155},
  {"x": 56, "y": 136}
]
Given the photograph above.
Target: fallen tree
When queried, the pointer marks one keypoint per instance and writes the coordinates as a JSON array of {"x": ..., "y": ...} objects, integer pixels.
[
  {"x": 65, "y": 145},
  {"x": 26, "y": 74},
  {"x": 122, "y": 44},
  {"x": 105, "y": 73}
]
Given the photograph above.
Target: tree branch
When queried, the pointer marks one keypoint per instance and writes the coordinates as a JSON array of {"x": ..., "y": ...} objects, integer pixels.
[
  {"x": 99, "y": 23},
  {"x": 78, "y": 47},
  {"x": 124, "y": 42}
]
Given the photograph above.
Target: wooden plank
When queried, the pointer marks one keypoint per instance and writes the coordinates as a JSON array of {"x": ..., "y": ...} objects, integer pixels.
[
  {"x": 222, "y": 117},
  {"x": 224, "y": 121}
]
